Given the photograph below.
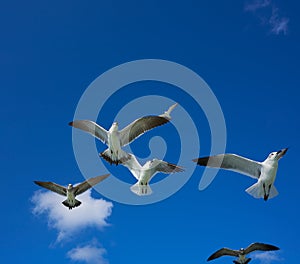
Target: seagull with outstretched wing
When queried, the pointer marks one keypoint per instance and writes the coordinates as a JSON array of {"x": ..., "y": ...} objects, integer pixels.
[
  {"x": 242, "y": 253},
  {"x": 264, "y": 172},
  {"x": 71, "y": 191},
  {"x": 116, "y": 139},
  {"x": 145, "y": 173}
]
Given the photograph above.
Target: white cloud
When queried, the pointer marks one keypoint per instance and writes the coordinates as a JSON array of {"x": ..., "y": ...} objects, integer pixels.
[
  {"x": 258, "y": 4},
  {"x": 92, "y": 254},
  {"x": 278, "y": 24},
  {"x": 267, "y": 257},
  {"x": 269, "y": 15},
  {"x": 91, "y": 213}
]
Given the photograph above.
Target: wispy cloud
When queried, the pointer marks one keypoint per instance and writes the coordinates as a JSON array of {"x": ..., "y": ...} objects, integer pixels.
[
  {"x": 278, "y": 24},
  {"x": 92, "y": 213},
  {"x": 92, "y": 253},
  {"x": 269, "y": 15},
  {"x": 267, "y": 257},
  {"x": 258, "y": 4}
]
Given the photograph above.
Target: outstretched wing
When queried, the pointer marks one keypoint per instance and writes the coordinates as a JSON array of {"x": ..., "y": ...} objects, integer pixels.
[
  {"x": 139, "y": 127},
  {"x": 133, "y": 165},
  {"x": 92, "y": 128},
  {"x": 224, "y": 252},
  {"x": 53, "y": 187},
  {"x": 82, "y": 187},
  {"x": 165, "y": 167},
  {"x": 167, "y": 114},
  {"x": 143, "y": 124},
  {"x": 261, "y": 247},
  {"x": 232, "y": 162}
]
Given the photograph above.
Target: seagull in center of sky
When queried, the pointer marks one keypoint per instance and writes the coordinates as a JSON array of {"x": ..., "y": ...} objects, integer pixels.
[
  {"x": 116, "y": 139},
  {"x": 264, "y": 172},
  {"x": 145, "y": 173},
  {"x": 72, "y": 191},
  {"x": 241, "y": 254}
]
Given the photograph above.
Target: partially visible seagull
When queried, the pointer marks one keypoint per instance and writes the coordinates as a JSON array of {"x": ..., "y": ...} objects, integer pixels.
[
  {"x": 116, "y": 139},
  {"x": 264, "y": 171},
  {"x": 241, "y": 254},
  {"x": 71, "y": 192},
  {"x": 145, "y": 173}
]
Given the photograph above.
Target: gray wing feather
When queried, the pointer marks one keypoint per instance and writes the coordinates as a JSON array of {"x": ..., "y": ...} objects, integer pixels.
[
  {"x": 260, "y": 246},
  {"x": 232, "y": 162},
  {"x": 166, "y": 167},
  {"x": 92, "y": 128},
  {"x": 53, "y": 187},
  {"x": 82, "y": 187},
  {"x": 224, "y": 252},
  {"x": 139, "y": 127},
  {"x": 167, "y": 114},
  {"x": 162, "y": 166},
  {"x": 133, "y": 165}
]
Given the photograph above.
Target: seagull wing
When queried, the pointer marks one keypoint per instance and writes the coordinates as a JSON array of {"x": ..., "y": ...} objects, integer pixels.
[
  {"x": 139, "y": 127},
  {"x": 232, "y": 162},
  {"x": 167, "y": 114},
  {"x": 92, "y": 128},
  {"x": 53, "y": 187},
  {"x": 165, "y": 167},
  {"x": 260, "y": 246},
  {"x": 224, "y": 252},
  {"x": 133, "y": 165},
  {"x": 151, "y": 168},
  {"x": 82, "y": 187}
]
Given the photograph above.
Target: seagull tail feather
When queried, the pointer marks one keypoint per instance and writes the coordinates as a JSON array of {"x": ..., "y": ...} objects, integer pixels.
[
  {"x": 141, "y": 190},
  {"x": 239, "y": 262},
  {"x": 109, "y": 157},
  {"x": 273, "y": 192},
  {"x": 255, "y": 190},
  {"x": 70, "y": 206}
]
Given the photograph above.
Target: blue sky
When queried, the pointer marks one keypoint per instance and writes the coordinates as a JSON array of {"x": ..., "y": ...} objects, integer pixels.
[{"x": 51, "y": 51}]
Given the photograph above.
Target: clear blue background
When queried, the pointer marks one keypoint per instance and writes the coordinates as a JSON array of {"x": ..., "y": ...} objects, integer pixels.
[{"x": 50, "y": 51}]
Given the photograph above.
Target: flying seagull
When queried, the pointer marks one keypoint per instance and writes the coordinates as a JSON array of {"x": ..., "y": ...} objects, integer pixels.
[
  {"x": 241, "y": 254},
  {"x": 145, "y": 173},
  {"x": 71, "y": 192},
  {"x": 116, "y": 139},
  {"x": 264, "y": 172}
]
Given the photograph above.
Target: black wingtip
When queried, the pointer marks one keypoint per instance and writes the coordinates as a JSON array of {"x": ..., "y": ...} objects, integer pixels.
[
  {"x": 175, "y": 168},
  {"x": 108, "y": 159},
  {"x": 273, "y": 247},
  {"x": 37, "y": 183},
  {"x": 202, "y": 161},
  {"x": 71, "y": 123}
]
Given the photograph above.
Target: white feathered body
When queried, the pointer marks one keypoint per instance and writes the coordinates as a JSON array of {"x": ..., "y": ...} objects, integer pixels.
[
  {"x": 71, "y": 202},
  {"x": 114, "y": 153},
  {"x": 143, "y": 174},
  {"x": 114, "y": 141},
  {"x": 70, "y": 196},
  {"x": 265, "y": 184}
]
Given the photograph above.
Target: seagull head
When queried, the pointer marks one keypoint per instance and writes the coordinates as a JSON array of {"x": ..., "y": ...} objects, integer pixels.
[
  {"x": 114, "y": 126},
  {"x": 70, "y": 186},
  {"x": 281, "y": 153},
  {"x": 277, "y": 155}
]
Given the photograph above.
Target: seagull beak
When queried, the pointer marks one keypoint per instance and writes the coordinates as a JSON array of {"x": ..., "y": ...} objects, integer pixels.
[{"x": 281, "y": 153}]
